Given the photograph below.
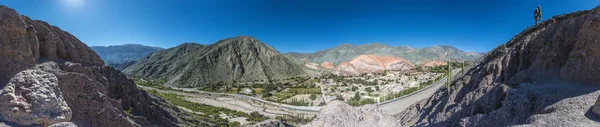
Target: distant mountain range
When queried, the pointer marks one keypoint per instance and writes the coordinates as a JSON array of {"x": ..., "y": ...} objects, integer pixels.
[
  {"x": 347, "y": 52},
  {"x": 238, "y": 59},
  {"x": 120, "y": 56},
  {"x": 246, "y": 59}
]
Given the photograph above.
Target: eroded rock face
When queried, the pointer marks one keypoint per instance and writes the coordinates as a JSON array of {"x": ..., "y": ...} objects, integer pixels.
[
  {"x": 339, "y": 114},
  {"x": 544, "y": 76},
  {"x": 97, "y": 95},
  {"x": 371, "y": 64},
  {"x": 327, "y": 65},
  {"x": 25, "y": 42},
  {"x": 33, "y": 97}
]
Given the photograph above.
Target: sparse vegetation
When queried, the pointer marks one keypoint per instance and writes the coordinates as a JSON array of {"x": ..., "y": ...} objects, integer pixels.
[
  {"x": 295, "y": 118},
  {"x": 209, "y": 111},
  {"x": 312, "y": 97}
]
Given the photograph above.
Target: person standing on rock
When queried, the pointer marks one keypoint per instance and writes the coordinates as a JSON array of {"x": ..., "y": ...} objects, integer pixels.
[{"x": 537, "y": 14}]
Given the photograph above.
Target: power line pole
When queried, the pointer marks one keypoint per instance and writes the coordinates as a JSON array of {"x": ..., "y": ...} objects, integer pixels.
[
  {"x": 463, "y": 67},
  {"x": 449, "y": 77}
]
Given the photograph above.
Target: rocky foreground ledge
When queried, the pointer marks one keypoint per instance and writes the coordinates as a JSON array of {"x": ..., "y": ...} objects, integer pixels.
[
  {"x": 339, "y": 114},
  {"x": 545, "y": 76},
  {"x": 50, "y": 78}
]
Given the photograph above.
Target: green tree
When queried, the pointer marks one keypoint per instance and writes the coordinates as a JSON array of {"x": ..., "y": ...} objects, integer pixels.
[
  {"x": 312, "y": 97},
  {"x": 357, "y": 96},
  {"x": 377, "y": 88},
  {"x": 339, "y": 97},
  {"x": 233, "y": 124},
  {"x": 368, "y": 89}
]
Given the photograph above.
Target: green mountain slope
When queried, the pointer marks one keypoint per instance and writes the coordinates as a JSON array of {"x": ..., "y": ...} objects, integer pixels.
[{"x": 238, "y": 59}]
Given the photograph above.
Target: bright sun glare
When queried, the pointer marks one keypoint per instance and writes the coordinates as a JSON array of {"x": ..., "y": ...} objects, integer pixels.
[{"x": 73, "y": 3}]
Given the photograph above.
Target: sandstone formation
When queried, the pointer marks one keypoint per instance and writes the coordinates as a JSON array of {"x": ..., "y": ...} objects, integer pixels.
[
  {"x": 544, "y": 76},
  {"x": 33, "y": 97},
  {"x": 311, "y": 65},
  {"x": 327, "y": 65},
  {"x": 238, "y": 59},
  {"x": 372, "y": 64},
  {"x": 433, "y": 63},
  {"x": 339, "y": 114},
  {"x": 97, "y": 95},
  {"x": 347, "y": 52}
]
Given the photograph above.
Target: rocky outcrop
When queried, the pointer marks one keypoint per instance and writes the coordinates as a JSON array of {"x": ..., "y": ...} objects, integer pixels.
[
  {"x": 433, "y": 63},
  {"x": 544, "y": 76},
  {"x": 238, "y": 59},
  {"x": 97, "y": 95},
  {"x": 339, "y": 114},
  {"x": 24, "y": 43},
  {"x": 596, "y": 108},
  {"x": 371, "y": 64},
  {"x": 327, "y": 65},
  {"x": 33, "y": 97}
]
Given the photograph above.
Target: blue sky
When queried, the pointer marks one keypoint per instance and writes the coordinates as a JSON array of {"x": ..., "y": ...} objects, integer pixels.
[{"x": 296, "y": 25}]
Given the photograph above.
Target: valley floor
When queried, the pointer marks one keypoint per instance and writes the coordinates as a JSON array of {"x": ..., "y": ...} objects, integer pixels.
[{"x": 238, "y": 104}]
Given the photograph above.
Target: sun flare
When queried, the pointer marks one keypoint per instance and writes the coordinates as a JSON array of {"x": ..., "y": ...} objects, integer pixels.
[{"x": 73, "y": 3}]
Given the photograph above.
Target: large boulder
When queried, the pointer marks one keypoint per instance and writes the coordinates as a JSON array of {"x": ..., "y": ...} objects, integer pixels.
[{"x": 33, "y": 97}]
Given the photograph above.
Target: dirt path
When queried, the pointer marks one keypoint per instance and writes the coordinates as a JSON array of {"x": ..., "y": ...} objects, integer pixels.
[{"x": 398, "y": 105}]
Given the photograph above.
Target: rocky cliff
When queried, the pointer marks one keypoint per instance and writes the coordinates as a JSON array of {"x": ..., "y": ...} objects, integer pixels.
[
  {"x": 371, "y": 64},
  {"x": 238, "y": 59},
  {"x": 48, "y": 76},
  {"x": 544, "y": 76}
]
